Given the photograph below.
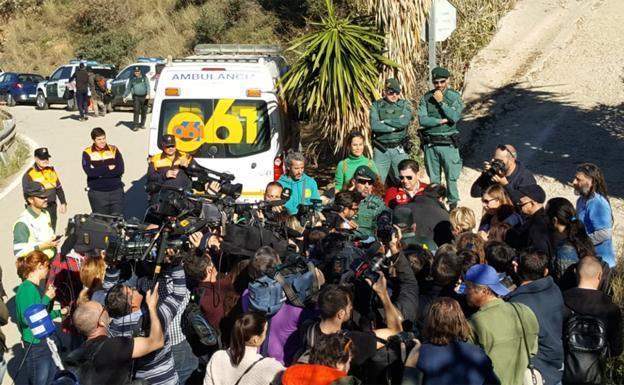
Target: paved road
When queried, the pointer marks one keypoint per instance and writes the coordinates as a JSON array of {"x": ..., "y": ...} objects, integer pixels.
[{"x": 66, "y": 137}]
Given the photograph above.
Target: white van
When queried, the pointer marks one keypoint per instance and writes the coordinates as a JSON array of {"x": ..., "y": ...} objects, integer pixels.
[{"x": 221, "y": 105}]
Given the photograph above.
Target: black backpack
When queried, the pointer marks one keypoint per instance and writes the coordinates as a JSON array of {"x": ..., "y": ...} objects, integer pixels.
[{"x": 585, "y": 345}]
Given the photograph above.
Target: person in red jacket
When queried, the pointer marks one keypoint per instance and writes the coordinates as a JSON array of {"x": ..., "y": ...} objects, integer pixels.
[{"x": 411, "y": 186}]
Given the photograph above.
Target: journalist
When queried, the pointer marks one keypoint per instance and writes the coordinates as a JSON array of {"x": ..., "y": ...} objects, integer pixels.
[
  {"x": 303, "y": 187},
  {"x": 504, "y": 169}
]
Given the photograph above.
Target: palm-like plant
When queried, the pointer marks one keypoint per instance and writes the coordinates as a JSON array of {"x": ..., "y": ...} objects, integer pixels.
[
  {"x": 336, "y": 75},
  {"x": 401, "y": 21}
]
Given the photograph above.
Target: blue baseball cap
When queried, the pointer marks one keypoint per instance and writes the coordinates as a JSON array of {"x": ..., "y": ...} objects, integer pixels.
[{"x": 486, "y": 275}]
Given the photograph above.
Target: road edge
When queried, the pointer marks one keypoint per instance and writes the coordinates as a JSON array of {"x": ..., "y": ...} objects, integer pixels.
[{"x": 17, "y": 177}]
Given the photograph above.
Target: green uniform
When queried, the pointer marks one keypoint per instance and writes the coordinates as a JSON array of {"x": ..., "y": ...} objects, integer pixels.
[
  {"x": 441, "y": 153},
  {"x": 389, "y": 123},
  {"x": 366, "y": 219}
]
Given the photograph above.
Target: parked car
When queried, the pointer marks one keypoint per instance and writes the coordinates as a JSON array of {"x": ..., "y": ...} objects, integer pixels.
[
  {"x": 150, "y": 67},
  {"x": 18, "y": 87},
  {"x": 51, "y": 90}
]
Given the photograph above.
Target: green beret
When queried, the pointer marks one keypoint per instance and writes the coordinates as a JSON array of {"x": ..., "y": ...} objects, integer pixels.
[
  {"x": 440, "y": 72},
  {"x": 393, "y": 85}
]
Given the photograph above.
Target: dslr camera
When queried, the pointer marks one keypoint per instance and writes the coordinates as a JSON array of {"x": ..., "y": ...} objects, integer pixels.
[{"x": 497, "y": 168}]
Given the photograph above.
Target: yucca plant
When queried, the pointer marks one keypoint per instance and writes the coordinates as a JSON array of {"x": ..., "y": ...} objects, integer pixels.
[{"x": 336, "y": 75}]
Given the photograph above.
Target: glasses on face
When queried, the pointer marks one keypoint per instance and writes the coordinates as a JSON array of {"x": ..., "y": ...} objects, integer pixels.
[
  {"x": 408, "y": 177},
  {"x": 522, "y": 204},
  {"x": 487, "y": 201},
  {"x": 439, "y": 81},
  {"x": 364, "y": 181},
  {"x": 170, "y": 146},
  {"x": 390, "y": 92}
]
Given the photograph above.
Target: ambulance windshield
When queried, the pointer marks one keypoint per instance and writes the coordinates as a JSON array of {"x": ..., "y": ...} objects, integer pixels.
[{"x": 217, "y": 128}]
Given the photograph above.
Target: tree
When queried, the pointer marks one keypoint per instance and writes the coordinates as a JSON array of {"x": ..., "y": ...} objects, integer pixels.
[{"x": 336, "y": 76}]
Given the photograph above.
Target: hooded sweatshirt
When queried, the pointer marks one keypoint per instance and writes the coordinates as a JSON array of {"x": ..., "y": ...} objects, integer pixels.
[
  {"x": 544, "y": 298},
  {"x": 299, "y": 194}
]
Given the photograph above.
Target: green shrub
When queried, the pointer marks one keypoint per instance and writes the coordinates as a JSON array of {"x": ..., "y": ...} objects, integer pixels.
[
  {"x": 106, "y": 47},
  {"x": 97, "y": 16}
]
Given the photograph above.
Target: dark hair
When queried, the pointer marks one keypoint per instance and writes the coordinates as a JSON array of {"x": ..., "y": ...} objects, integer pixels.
[
  {"x": 469, "y": 258},
  {"x": 246, "y": 326},
  {"x": 446, "y": 268},
  {"x": 263, "y": 262},
  {"x": 118, "y": 301},
  {"x": 473, "y": 242},
  {"x": 532, "y": 264},
  {"x": 29, "y": 262},
  {"x": 599, "y": 185},
  {"x": 445, "y": 322},
  {"x": 499, "y": 255},
  {"x": 498, "y": 231},
  {"x": 564, "y": 212},
  {"x": 331, "y": 350},
  {"x": 97, "y": 132},
  {"x": 420, "y": 260},
  {"x": 353, "y": 135},
  {"x": 409, "y": 163},
  {"x": 435, "y": 190},
  {"x": 379, "y": 188},
  {"x": 195, "y": 267},
  {"x": 332, "y": 299},
  {"x": 346, "y": 199}
]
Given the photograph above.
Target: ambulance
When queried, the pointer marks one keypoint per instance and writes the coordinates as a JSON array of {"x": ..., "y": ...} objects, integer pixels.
[{"x": 222, "y": 106}]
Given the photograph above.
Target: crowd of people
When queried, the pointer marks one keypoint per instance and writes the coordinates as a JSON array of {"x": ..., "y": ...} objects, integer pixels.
[{"x": 384, "y": 279}]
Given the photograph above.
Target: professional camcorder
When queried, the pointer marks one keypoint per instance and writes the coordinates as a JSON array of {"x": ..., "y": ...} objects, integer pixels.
[{"x": 201, "y": 175}]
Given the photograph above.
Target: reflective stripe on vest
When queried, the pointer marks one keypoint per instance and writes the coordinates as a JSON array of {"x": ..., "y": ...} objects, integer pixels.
[
  {"x": 162, "y": 161},
  {"x": 100, "y": 155},
  {"x": 47, "y": 177},
  {"x": 39, "y": 230}
]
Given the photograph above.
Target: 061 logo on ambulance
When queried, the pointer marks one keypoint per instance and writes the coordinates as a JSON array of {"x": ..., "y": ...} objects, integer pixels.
[{"x": 224, "y": 126}]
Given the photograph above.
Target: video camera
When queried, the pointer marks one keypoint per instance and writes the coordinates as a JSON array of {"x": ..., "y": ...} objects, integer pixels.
[
  {"x": 201, "y": 175},
  {"x": 308, "y": 214},
  {"x": 385, "y": 229}
]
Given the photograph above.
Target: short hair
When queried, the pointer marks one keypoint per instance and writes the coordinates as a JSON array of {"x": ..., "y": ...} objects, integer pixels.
[
  {"x": 346, "y": 199},
  {"x": 331, "y": 350},
  {"x": 499, "y": 255},
  {"x": 446, "y": 268},
  {"x": 435, "y": 190},
  {"x": 508, "y": 149},
  {"x": 469, "y": 258},
  {"x": 332, "y": 299},
  {"x": 118, "y": 301},
  {"x": 409, "y": 163},
  {"x": 97, "y": 132},
  {"x": 273, "y": 184},
  {"x": 195, "y": 267},
  {"x": 294, "y": 157},
  {"x": 28, "y": 263},
  {"x": 86, "y": 316},
  {"x": 445, "y": 322},
  {"x": 264, "y": 261},
  {"x": 463, "y": 218},
  {"x": 589, "y": 267},
  {"x": 532, "y": 264}
]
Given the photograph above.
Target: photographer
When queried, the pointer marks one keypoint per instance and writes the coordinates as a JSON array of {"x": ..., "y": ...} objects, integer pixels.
[
  {"x": 124, "y": 304},
  {"x": 303, "y": 187},
  {"x": 341, "y": 216},
  {"x": 170, "y": 168},
  {"x": 505, "y": 169}
]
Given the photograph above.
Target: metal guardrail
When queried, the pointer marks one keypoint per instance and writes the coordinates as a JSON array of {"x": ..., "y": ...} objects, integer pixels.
[{"x": 7, "y": 131}]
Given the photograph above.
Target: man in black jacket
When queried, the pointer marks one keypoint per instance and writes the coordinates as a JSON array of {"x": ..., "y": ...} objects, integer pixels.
[
  {"x": 430, "y": 216},
  {"x": 535, "y": 231},
  {"x": 539, "y": 292},
  {"x": 81, "y": 76},
  {"x": 512, "y": 176}
]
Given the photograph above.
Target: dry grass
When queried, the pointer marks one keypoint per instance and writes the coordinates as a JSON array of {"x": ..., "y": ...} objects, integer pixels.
[{"x": 15, "y": 157}]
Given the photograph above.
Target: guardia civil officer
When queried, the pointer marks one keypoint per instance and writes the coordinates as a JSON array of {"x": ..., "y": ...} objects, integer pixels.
[
  {"x": 45, "y": 174},
  {"x": 389, "y": 119},
  {"x": 104, "y": 166},
  {"x": 439, "y": 111}
]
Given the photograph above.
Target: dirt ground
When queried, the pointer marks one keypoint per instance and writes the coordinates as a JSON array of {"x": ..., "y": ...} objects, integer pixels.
[{"x": 551, "y": 83}]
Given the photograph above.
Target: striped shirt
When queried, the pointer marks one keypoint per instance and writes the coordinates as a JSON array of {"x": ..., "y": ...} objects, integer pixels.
[{"x": 157, "y": 367}]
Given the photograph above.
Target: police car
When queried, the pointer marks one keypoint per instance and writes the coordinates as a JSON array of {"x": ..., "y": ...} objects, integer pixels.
[
  {"x": 51, "y": 90},
  {"x": 150, "y": 67},
  {"x": 222, "y": 107}
]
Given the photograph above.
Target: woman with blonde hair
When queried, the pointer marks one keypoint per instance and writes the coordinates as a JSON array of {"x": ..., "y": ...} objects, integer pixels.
[
  {"x": 497, "y": 208},
  {"x": 462, "y": 220},
  {"x": 92, "y": 273}
]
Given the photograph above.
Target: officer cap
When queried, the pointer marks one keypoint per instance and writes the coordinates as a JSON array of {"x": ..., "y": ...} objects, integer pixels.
[
  {"x": 533, "y": 191},
  {"x": 393, "y": 85},
  {"x": 403, "y": 216},
  {"x": 137, "y": 68},
  {"x": 34, "y": 189},
  {"x": 440, "y": 73},
  {"x": 364, "y": 172},
  {"x": 168, "y": 140},
  {"x": 42, "y": 153}
]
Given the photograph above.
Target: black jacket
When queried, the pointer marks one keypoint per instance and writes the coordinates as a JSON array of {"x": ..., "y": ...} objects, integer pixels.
[
  {"x": 432, "y": 220},
  {"x": 545, "y": 299},
  {"x": 519, "y": 177},
  {"x": 405, "y": 293},
  {"x": 82, "y": 80},
  {"x": 597, "y": 304},
  {"x": 534, "y": 232}
]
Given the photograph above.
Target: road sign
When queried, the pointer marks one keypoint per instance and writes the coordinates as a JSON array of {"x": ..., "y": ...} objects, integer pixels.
[{"x": 445, "y": 21}]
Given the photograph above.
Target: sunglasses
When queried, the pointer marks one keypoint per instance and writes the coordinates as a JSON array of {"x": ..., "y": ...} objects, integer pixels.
[
  {"x": 170, "y": 146},
  {"x": 364, "y": 181},
  {"x": 408, "y": 177},
  {"x": 487, "y": 201},
  {"x": 390, "y": 92},
  {"x": 521, "y": 204}
]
